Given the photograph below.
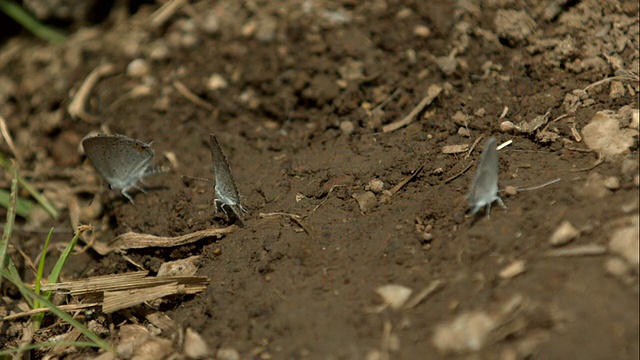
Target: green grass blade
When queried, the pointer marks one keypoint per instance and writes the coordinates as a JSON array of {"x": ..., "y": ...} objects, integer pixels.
[
  {"x": 40, "y": 30},
  {"x": 43, "y": 345},
  {"x": 23, "y": 206},
  {"x": 57, "y": 268},
  {"x": 46, "y": 204},
  {"x": 14, "y": 272},
  {"x": 11, "y": 217},
  {"x": 59, "y": 313},
  {"x": 37, "y": 319}
]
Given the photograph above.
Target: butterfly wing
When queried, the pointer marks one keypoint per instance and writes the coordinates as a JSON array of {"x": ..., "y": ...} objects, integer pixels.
[
  {"x": 484, "y": 188},
  {"x": 122, "y": 161},
  {"x": 225, "y": 187}
]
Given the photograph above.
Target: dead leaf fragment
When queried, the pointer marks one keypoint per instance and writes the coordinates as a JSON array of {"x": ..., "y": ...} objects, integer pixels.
[
  {"x": 528, "y": 127},
  {"x": 183, "y": 267},
  {"x": 455, "y": 149},
  {"x": 603, "y": 134}
]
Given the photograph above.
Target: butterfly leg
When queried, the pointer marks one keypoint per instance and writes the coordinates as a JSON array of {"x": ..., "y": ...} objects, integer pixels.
[
  {"x": 220, "y": 204},
  {"x": 126, "y": 194},
  {"x": 501, "y": 203}
]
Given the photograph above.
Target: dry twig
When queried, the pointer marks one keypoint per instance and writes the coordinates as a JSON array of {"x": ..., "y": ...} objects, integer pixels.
[
  {"x": 423, "y": 294},
  {"x": 189, "y": 95},
  {"x": 473, "y": 146},
  {"x": 295, "y": 218},
  {"x": 132, "y": 240},
  {"x": 581, "y": 250},
  {"x": 458, "y": 174},
  {"x": 7, "y": 137},
  {"x": 432, "y": 93},
  {"x": 404, "y": 182},
  {"x": 166, "y": 11},
  {"x": 76, "y": 107}
]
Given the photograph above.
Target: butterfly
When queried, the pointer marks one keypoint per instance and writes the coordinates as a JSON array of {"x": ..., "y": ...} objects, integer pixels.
[
  {"x": 484, "y": 188},
  {"x": 225, "y": 188},
  {"x": 120, "y": 160}
]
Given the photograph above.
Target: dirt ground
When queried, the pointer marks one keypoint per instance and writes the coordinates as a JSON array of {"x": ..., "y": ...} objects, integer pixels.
[{"x": 300, "y": 95}]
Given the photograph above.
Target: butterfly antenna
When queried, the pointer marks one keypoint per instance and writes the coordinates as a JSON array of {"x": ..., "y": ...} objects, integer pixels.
[{"x": 195, "y": 178}]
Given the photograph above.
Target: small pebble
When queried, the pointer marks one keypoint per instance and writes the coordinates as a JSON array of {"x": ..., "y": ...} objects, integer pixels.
[
  {"x": 512, "y": 270},
  {"x": 459, "y": 118},
  {"x": 159, "y": 50},
  {"x": 249, "y": 28},
  {"x": 617, "y": 90},
  {"x": 194, "y": 345},
  {"x": 376, "y": 185},
  {"x": 635, "y": 119},
  {"x": 616, "y": 266},
  {"x": 228, "y": 354},
  {"x": 564, "y": 234},
  {"x": 507, "y": 126},
  {"x": 266, "y": 30},
  {"x": 624, "y": 242},
  {"x": 511, "y": 190},
  {"x": 347, "y": 127},
  {"x": 404, "y": 13},
  {"x": 421, "y": 31},
  {"x": 187, "y": 25},
  {"x": 426, "y": 237},
  {"x": 138, "y": 68},
  {"x": 216, "y": 82},
  {"x": 463, "y": 131},
  {"x": 447, "y": 65},
  {"x": 480, "y": 112},
  {"x": 366, "y": 200},
  {"x": 612, "y": 183},
  {"x": 210, "y": 24},
  {"x": 189, "y": 41},
  {"x": 385, "y": 197}
]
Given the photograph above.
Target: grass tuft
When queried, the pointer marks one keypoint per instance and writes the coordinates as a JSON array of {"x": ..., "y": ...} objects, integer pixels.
[{"x": 34, "y": 298}]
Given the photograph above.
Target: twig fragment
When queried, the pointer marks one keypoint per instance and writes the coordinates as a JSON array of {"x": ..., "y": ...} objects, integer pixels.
[
  {"x": 184, "y": 91},
  {"x": 71, "y": 307},
  {"x": 160, "y": 16},
  {"x": 132, "y": 240},
  {"x": 76, "y": 107},
  {"x": 473, "y": 146},
  {"x": 458, "y": 174},
  {"x": 423, "y": 294},
  {"x": 504, "y": 145},
  {"x": 7, "y": 137},
  {"x": 295, "y": 218},
  {"x": 404, "y": 181},
  {"x": 539, "y": 186},
  {"x": 325, "y": 198},
  {"x": 432, "y": 93},
  {"x": 581, "y": 250},
  {"x": 598, "y": 162}
]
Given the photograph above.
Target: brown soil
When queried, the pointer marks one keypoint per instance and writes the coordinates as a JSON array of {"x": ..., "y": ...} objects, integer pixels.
[{"x": 299, "y": 122}]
